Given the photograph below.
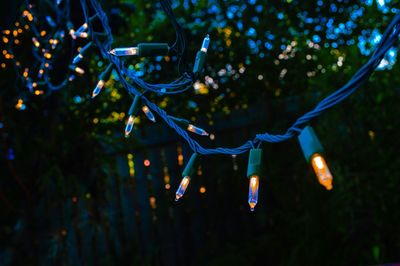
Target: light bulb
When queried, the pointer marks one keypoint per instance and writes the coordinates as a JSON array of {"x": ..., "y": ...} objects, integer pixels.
[
  {"x": 187, "y": 173},
  {"x": 41, "y": 72},
  {"x": 197, "y": 130},
  {"x": 201, "y": 56},
  {"x": 98, "y": 88},
  {"x": 79, "y": 70},
  {"x": 133, "y": 110},
  {"x": 77, "y": 59},
  {"x": 253, "y": 192},
  {"x": 47, "y": 55},
  {"x": 81, "y": 34},
  {"x": 35, "y": 42},
  {"x": 82, "y": 28},
  {"x": 254, "y": 170},
  {"x": 82, "y": 52},
  {"x": 148, "y": 113},
  {"x": 129, "y": 126},
  {"x": 322, "y": 171},
  {"x": 313, "y": 151},
  {"x": 182, "y": 188},
  {"x": 205, "y": 44},
  {"x": 54, "y": 44},
  {"x": 127, "y": 51},
  {"x": 72, "y": 33}
]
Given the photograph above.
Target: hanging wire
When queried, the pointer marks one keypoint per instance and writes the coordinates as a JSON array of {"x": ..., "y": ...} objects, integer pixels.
[{"x": 185, "y": 81}]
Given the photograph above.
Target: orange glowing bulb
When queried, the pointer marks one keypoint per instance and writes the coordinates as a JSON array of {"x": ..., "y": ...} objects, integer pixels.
[
  {"x": 182, "y": 188},
  {"x": 253, "y": 192},
  {"x": 35, "y": 42},
  {"x": 322, "y": 171}
]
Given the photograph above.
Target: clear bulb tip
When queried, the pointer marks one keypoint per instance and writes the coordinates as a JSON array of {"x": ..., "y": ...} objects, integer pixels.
[
  {"x": 112, "y": 52},
  {"x": 252, "y": 206}
]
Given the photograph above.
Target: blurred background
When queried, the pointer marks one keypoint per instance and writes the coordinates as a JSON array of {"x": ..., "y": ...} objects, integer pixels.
[{"x": 74, "y": 191}]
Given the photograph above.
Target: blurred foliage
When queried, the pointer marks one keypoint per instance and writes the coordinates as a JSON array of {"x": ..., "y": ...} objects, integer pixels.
[{"x": 276, "y": 57}]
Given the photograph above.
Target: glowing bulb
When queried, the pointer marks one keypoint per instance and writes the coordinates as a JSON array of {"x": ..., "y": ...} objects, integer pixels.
[
  {"x": 254, "y": 169},
  {"x": 79, "y": 70},
  {"x": 319, "y": 163},
  {"x": 253, "y": 192},
  {"x": 206, "y": 43},
  {"x": 72, "y": 33},
  {"x": 98, "y": 88},
  {"x": 47, "y": 55},
  {"x": 197, "y": 130},
  {"x": 148, "y": 113},
  {"x": 81, "y": 34},
  {"x": 77, "y": 59},
  {"x": 186, "y": 174},
  {"x": 54, "y": 44},
  {"x": 129, "y": 126},
  {"x": 322, "y": 171},
  {"x": 35, "y": 42},
  {"x": 124, "y": 51},
  {"x": 182, "y": 188},
  {"x": 20, "y": 105},
  {"x": 82, "y": 28}
]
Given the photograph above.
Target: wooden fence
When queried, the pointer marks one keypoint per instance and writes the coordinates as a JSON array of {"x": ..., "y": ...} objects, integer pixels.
[{"x": 137, "y": 220}]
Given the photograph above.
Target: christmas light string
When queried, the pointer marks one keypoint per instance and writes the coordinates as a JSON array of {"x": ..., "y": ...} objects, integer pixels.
[
  {"x": 49, "y": 43},
  {"x": 309, "y": 142},
  {"x": 137, "y": 87}
]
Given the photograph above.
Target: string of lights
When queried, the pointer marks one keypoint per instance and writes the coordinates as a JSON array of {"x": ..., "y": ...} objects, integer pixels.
[
  {"x": 37, "y": 74},
  {"x": 309, "y": 142},
  {"x": 102, "y": 38}
]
